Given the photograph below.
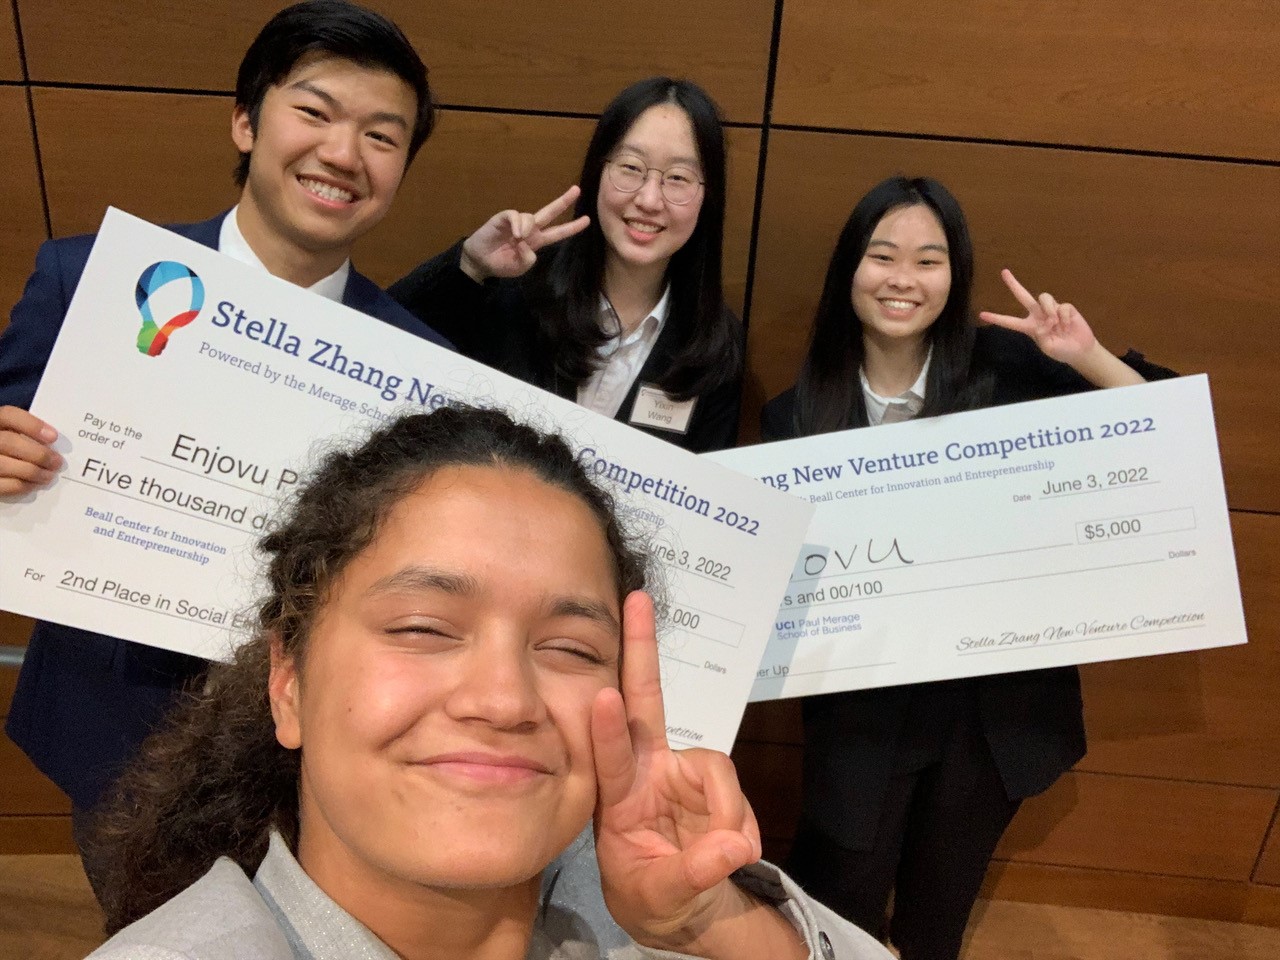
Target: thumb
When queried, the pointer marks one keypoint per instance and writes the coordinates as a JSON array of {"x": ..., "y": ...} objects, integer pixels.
[{"x": 713, "y": 857}]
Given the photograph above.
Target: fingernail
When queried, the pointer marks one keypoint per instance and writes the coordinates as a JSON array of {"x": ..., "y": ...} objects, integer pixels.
[{"x": 48, "y": 434}]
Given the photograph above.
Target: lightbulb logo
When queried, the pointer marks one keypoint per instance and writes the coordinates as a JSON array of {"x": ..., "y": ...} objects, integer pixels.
[{"x": 171, "y": 291}]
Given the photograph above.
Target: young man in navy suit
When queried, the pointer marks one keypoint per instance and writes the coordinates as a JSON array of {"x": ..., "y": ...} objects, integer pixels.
[{"x": 331, "y": 106}]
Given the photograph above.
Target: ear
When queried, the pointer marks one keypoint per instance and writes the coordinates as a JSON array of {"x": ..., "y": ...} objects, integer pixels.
[
  {"x": 286, "y": 701},
  {"x": 242, "y": 130}
]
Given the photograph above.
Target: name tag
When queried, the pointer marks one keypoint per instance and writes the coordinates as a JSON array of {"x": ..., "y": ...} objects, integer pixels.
[{"x": 654, "y": 408}]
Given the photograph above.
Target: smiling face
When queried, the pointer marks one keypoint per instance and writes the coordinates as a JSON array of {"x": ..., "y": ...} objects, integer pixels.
[
  {"x": 442, "y": 706},
  {"x": 904, "y": 278},
  {"x": 326, "y": 160},
  {"x": 643, "y": 229}
]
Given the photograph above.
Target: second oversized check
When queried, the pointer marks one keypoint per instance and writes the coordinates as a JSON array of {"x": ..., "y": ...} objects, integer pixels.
[
  {"x": 191, "y": 391},
  {"x": 1065, "y": 531}
]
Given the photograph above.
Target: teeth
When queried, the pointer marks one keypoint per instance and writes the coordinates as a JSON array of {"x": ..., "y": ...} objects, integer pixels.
[
  {"x": 326, "y": 191},
  {"x": 898, "y": 304},
  {"x": 643, "y": 227}
]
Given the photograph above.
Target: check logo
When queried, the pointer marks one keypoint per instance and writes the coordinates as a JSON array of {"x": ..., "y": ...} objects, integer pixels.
[{"x": 154, "y": 336}]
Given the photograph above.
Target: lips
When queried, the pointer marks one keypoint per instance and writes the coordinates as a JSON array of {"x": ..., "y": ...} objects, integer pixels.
[{"x": 481, "y": 767}]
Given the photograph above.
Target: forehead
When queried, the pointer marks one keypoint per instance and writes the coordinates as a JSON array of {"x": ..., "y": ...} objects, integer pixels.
[
  {"x": 348, "y": 81},
  {"x": 915, "y": 225},
  {"x": 512, "y": 532},
  {"x": 662, "y": 133}
]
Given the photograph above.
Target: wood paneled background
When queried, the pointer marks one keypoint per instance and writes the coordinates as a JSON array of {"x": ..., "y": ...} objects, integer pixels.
[{"x": 1124, "y": 156}]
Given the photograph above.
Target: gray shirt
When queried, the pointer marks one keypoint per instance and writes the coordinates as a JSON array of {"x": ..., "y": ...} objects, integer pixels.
[{"x": 282, "y": 915}]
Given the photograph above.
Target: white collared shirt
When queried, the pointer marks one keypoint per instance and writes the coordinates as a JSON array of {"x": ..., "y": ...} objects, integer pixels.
[
  {"x": 232, "y": 242},
  {"x": 904, "y": 406},
  {"x": 623, "y": 357}
]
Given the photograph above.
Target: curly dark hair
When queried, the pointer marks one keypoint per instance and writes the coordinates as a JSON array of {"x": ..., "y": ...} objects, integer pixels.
[{"x": 213, "y": 781}]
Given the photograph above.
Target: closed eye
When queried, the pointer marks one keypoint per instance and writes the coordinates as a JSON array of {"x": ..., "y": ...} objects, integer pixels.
[{"x": 578, "y": 652}]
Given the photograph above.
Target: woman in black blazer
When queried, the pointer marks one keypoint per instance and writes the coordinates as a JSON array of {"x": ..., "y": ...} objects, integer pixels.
[
  {"x": 625, "y": 314},
  {"x": 908, "y": 789}
]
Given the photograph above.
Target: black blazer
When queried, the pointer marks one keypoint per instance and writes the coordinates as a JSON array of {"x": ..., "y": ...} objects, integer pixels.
[
  {"x": 85, "y": 702},
  {"x": 493, "y": 323},
  {"x": 1033, "y": 721}
]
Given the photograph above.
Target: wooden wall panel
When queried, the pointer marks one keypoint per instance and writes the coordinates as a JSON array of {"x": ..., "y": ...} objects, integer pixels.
[
  {"x": 23, "y": 790},
  {"x": 537, "y": 56},
  {"x": 22, "y": 226},
  {"x": 1211, "y": 715},
  {"x": 10, "y": 59},
  {"x": 1174, "y": 256},
  {"x": 575, "y": 56},
  {"x": 163, "y": 157},
  {"x": 1183, "y": 76},
  {"x": 35, "y": 835},
  {"x": 1269, "y": 862},
  {"x": 1143, "y": 825},
  {"x": 185, "y": 44},
  {"x": 476, "y": 164},
  {"x": 1263, "y": 906}
]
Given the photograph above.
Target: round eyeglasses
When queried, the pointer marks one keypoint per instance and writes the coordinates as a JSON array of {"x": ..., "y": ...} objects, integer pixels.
[{"x": 628, "y": 174}]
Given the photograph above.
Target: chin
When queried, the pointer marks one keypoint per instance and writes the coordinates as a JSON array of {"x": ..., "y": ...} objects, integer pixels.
[{"x": 486, "y": 870}]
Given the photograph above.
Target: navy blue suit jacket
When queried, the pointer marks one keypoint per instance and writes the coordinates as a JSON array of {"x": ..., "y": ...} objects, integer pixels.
[{"x": 85, "y": 702}]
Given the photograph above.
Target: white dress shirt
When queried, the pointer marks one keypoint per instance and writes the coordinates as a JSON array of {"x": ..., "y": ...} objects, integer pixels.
[
  {"x": 622, "y": 357},
  {"x": 232, "y": 242},
  {"x": 895, "y": 409}
]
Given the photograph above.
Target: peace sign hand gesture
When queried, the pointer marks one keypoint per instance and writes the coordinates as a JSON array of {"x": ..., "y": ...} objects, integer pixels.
[
  {"x": 1058, "y": 329},
  {"x": 671, "y": 826},
  {"x": 507, "y": 244}
]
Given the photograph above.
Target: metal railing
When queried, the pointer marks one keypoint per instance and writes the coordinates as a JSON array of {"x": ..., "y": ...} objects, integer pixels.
[{"x": 11, "y": 656}]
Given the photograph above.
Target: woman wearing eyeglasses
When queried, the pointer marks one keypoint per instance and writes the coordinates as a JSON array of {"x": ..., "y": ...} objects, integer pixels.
[{"x": 625, "y": 313}]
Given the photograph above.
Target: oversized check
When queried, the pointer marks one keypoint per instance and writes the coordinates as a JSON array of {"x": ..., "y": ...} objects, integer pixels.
[
  {"x": 191, "y": 391},
  {"x": 1065, "y": 531}
]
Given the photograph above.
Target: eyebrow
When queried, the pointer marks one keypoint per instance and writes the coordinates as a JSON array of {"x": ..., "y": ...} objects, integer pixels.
[
  {"x": 381, "y": 116},
  {"x": 590, "y": 609},
  {"x": 421, "y": 579},
  {"x": 938, "y": 247},
  {"x": 424, "y": 578}
]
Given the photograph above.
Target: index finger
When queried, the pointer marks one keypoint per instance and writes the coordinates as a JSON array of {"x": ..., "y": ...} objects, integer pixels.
[
  {"x": 641, "y": 677},
  {"x": 556, "y": 207},
  {"x": 1018, "y": 290},
  {"x": 20, "y": 421}
]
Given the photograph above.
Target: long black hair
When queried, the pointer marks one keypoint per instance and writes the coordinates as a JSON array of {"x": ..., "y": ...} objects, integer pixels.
[
  {"x": 565, "y": 287},
  {"x": 829, "y": 389}
]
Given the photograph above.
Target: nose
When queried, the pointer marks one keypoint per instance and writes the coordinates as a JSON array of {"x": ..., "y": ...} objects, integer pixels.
[
  {"x": 340, "y": 147},
  {"x": 496, "y": 684},
  {"x": 649, "y": 196},
  {"x": 901, "y": 277}
]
